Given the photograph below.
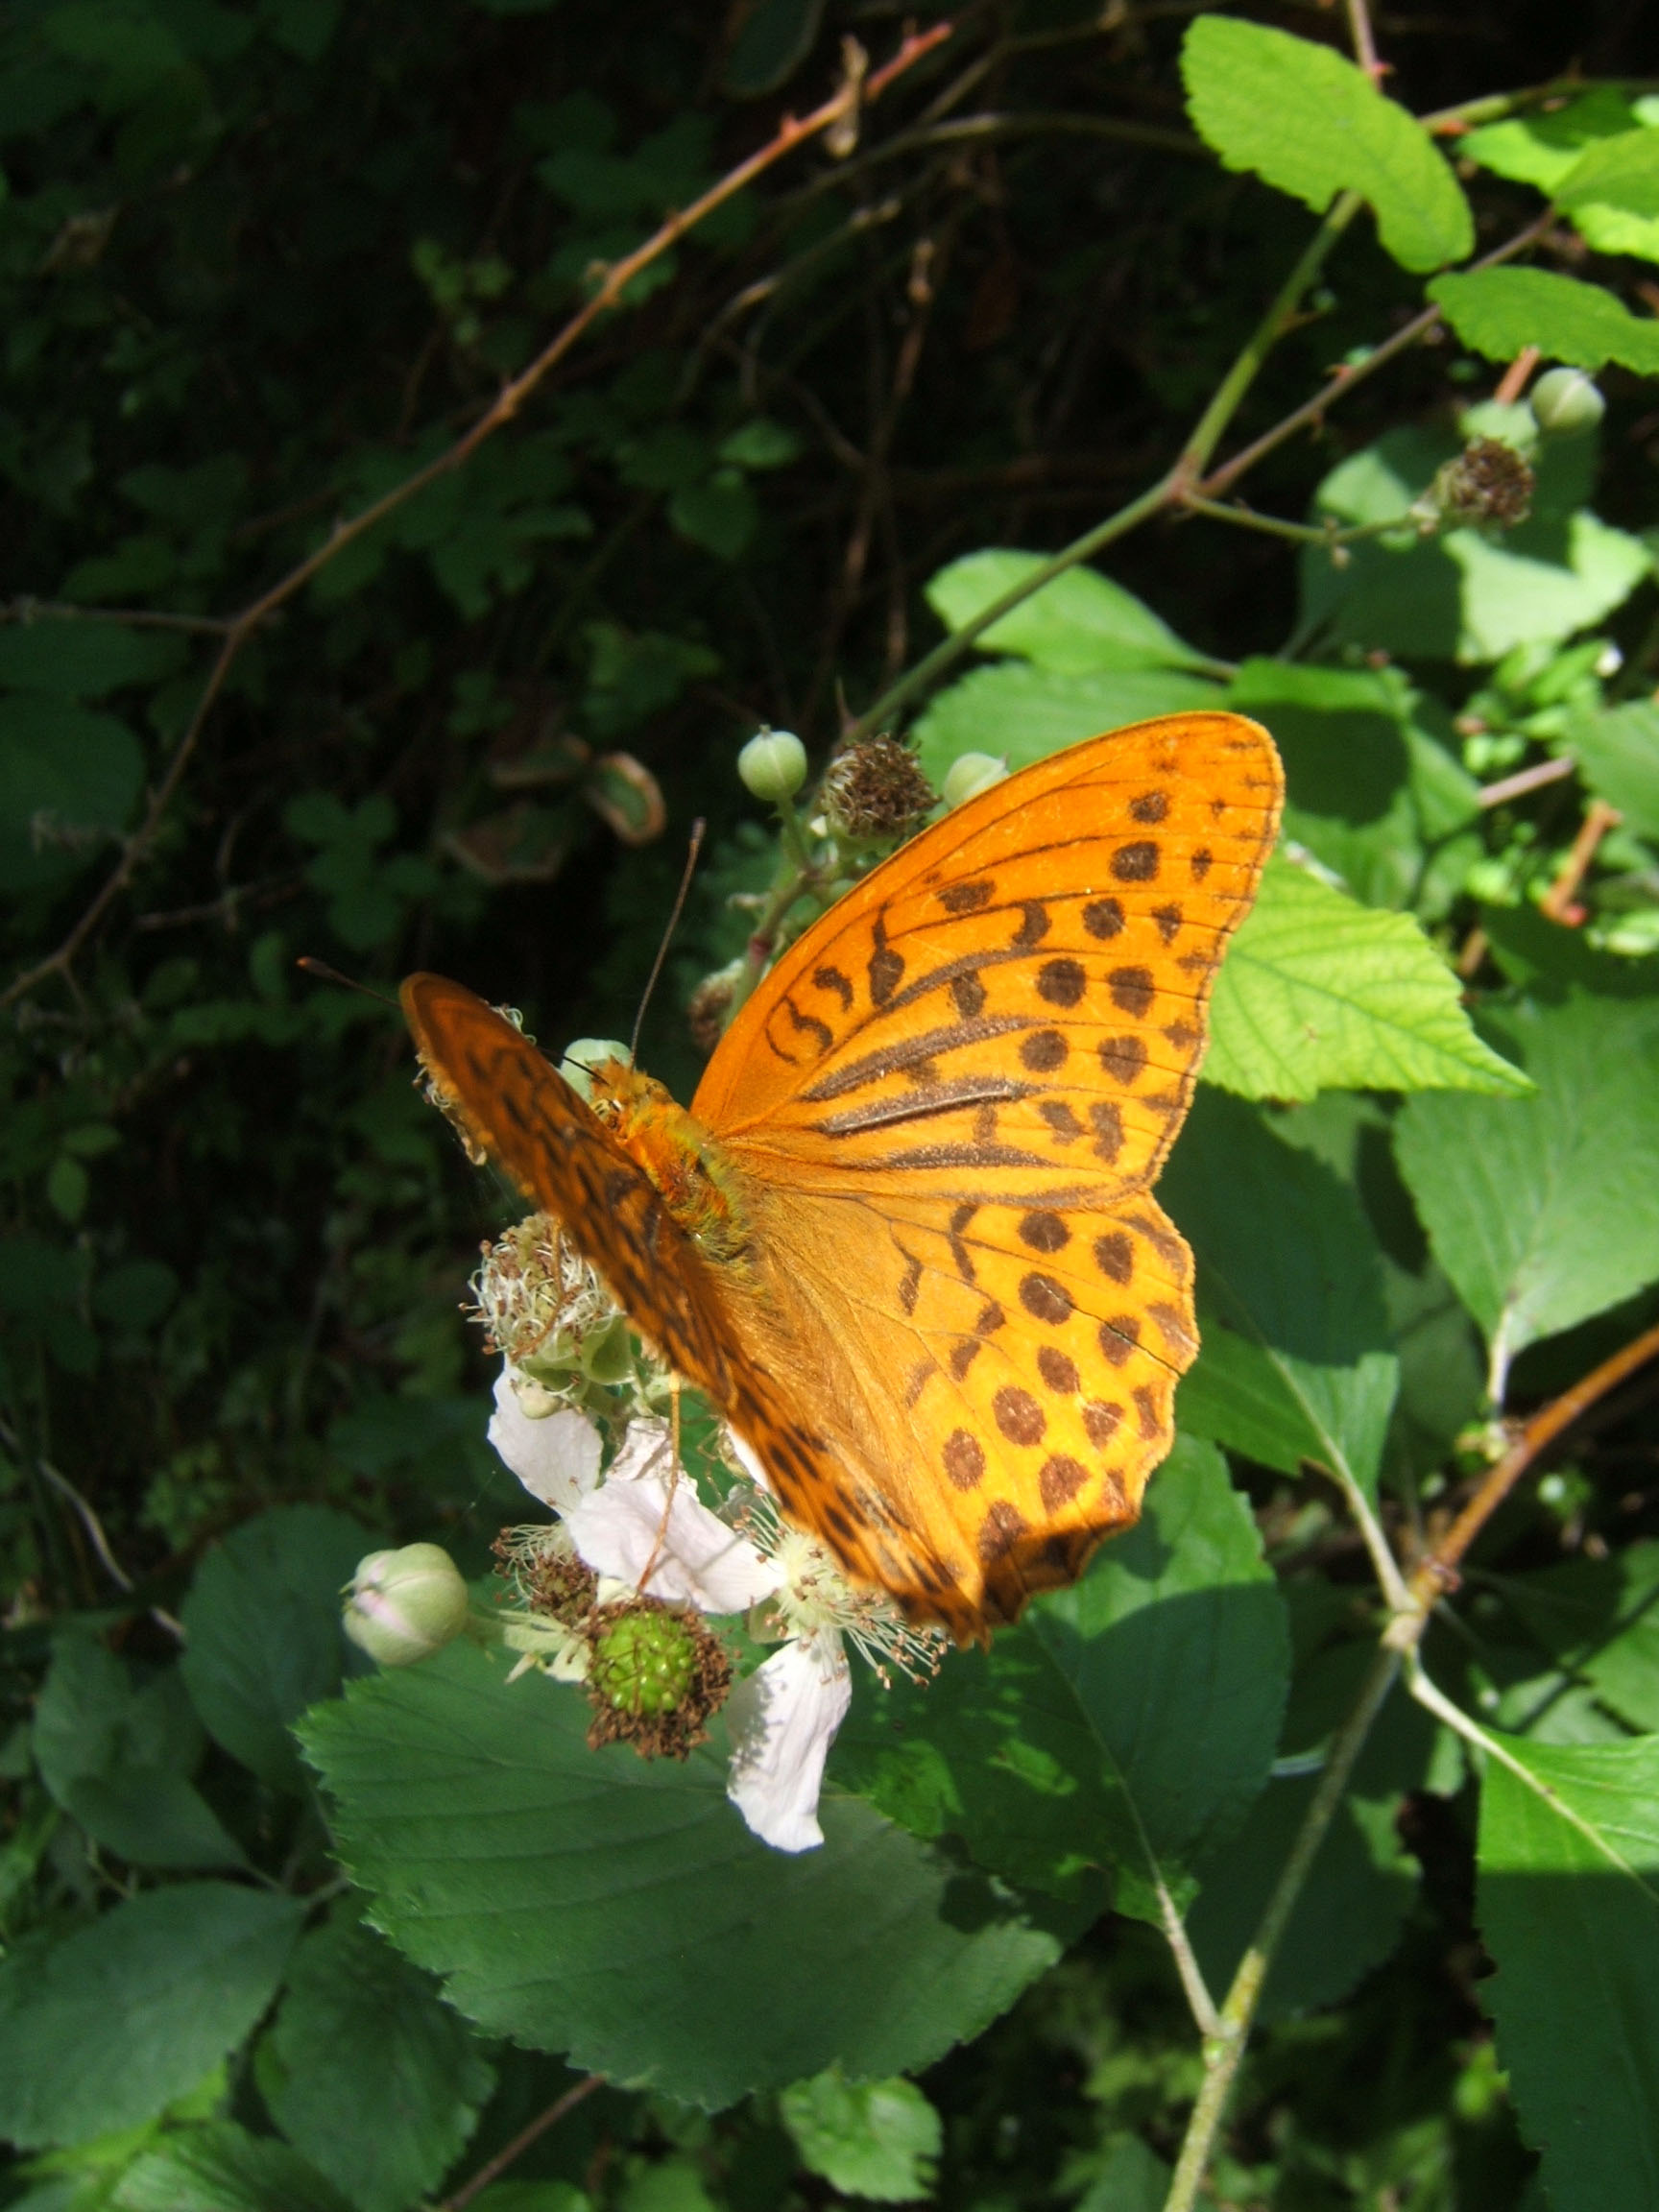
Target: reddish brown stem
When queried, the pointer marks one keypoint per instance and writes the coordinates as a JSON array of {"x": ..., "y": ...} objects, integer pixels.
[
  {"x": 521, "y": 2143},
  {"x": 1558, "y": 900},
  {"x": 1513, "y": 382},
  {"x": 1439, "y": 1569}
]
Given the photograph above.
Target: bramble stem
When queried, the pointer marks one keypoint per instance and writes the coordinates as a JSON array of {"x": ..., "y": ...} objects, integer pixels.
[{"x": 1224, "y": 2051}]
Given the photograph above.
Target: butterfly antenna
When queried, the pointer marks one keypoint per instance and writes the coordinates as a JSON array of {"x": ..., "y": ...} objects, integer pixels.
[
  {"x": 326, "y": 974},
  {"x": 691, "y": 852}
]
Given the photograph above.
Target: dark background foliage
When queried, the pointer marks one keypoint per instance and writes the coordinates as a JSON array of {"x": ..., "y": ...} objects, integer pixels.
[{"x": 256, "y": 262}]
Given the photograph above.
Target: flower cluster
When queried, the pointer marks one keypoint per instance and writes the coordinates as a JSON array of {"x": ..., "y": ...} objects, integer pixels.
[
  {"x": 616, "y": 1591},
  {"x": 649, "y": 1542}
]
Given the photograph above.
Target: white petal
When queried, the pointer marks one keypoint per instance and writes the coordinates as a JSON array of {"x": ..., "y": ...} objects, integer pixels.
[
  {"x": 748, "y": 1458},
  {"x": 782, "y": 1720},
  {"x": 638, "y": 1519},
  {"x": 556, "y": 1459}
]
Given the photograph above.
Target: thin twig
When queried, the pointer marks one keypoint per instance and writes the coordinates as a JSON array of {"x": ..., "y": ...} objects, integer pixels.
[
  {"x": 521, "y": 2143},
  {"x": 1436, "y": 1572},
  {"x": 1526, "y": 779},
  {"x": 1559, "y": 901},
  {"x": 1432, "y": 1578},
  {"x": 1364, "y": 45},
  {"x": 1297, "y": 533},
  {"x": 27, "y": 609},
  {"x": 1197, "y": 1990},
  {"x": 86, "y": 1515},
  {"x": 1513, "y": 382},
  {"x": 618, "y": 276}
]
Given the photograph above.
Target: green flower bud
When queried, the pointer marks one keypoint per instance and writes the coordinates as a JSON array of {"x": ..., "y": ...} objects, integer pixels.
[
  {"x": 644, "y": 1663},
  {"x": 580, "y": 1058},
  {"x": 773, "y": 766},
  {"x": 969, "y": 774},
  {"x": 1566, "y": 402},
  {"x": 404, "y": 1605}
]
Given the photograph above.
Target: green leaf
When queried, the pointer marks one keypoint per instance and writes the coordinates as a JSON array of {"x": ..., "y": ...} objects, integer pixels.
[
  {"x": 85, "y": 658},
  {"x": 760, "y": 444},
  {"x": 1318, "y": 990},
  {"x": 775, "y": 38},
  {"x": 68, "y": 1187},
  {"x": 1598, "y": 1619},
  {"x": 1081, "y": 624},
  {"x": 1369, "y": 793},
  {"x": 1131, "y": 2179},
  {"x": 1617, "y": 756},
  {"x": 1544, "y": 1210},
  {"x": 69, "y": 781},
  {"x": 1544, "y": 147},
  {"x": 721, "y": 515},
  {"x": 1130, "y": 1721},
  {"x": 367, "y": 2073},
  {"x": 101, "y": 2029},
  {"x": 220, "y": 2168},
  {"x": 1620, "y": 171},
  {"x": 1020, "y": 714},
  {"x": 875, "y": 2139},
  {"x": 1569, "y": 1907},
  {"x": 594, "y": 1903},
  {"x": 117, "y": 1756},
  {"x": 264, "y": 1636},
  {"x": 1307, "y": 121},
  {"x": 1497, "y": 311},
  {"x": 1593, "y": 157},
  {"x": 93, "y": 1716},
  {"x": 1295, "y": 1361}
]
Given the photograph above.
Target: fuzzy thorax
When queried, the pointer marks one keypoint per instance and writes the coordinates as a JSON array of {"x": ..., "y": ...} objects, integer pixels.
[{"x": 693, "y": 1176}]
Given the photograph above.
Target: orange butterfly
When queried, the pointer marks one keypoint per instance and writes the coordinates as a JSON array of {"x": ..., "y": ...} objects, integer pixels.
[{"x": 904, "y": 1240}]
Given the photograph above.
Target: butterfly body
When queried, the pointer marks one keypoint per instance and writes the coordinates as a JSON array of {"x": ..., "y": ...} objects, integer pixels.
[{"x": 905, "y": 1237}]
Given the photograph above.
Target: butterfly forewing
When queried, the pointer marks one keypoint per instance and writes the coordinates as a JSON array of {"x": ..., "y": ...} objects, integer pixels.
[
  {"x": 535, "y": 1128},
  {"x": 1016, "y": 999}
]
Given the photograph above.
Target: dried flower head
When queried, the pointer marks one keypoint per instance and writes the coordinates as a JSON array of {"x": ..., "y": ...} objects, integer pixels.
[
  {"x": 705, "y": 1013},
  {"x": 541, "y": 1304},
  {"x": 543, "y": 1568},
  {"x": 1489, "y": 483},
  {"x": 875, "y": 790}
]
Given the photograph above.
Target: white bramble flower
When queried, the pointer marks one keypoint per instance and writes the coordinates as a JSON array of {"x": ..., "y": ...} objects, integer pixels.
[{"x": 643, "y": 1531}]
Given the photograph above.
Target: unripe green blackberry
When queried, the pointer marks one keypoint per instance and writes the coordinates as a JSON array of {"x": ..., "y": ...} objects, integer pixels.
[
  {"x": 1566, "y": 402},
  {"x": 773, "y": 766},
  {"x": 644, "y": 1663},
  {"x": 969, "y": 774}
]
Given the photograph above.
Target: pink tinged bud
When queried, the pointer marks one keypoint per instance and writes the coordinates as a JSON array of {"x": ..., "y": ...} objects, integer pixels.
[{"x": 404, "y": 1605}]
